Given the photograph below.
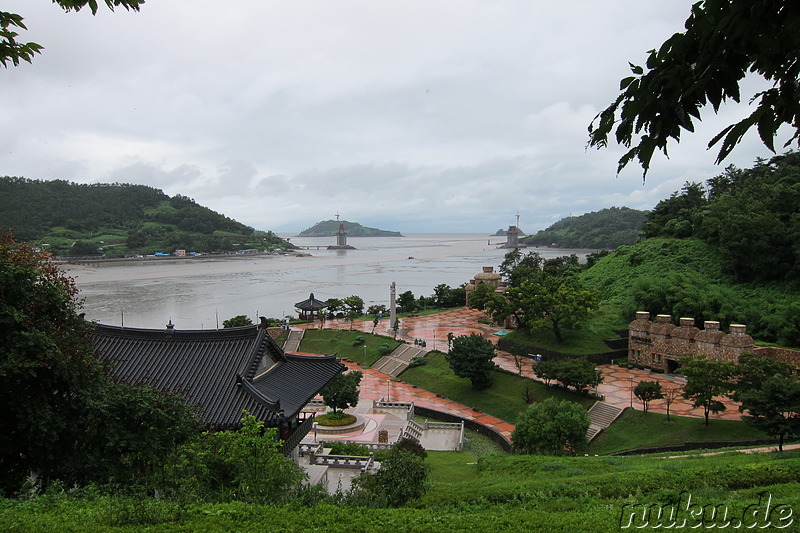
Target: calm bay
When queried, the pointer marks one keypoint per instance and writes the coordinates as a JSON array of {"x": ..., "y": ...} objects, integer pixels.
[{"x": 201, "y": 293}]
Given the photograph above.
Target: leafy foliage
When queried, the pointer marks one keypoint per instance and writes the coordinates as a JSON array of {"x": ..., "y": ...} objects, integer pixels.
[
  {"x": 706, "y": 380},
  {"x": 470, "y": 356},
  {"x": 701, "y": 66},
  {"x": 576, "y": 372},
  {"x": 12, "y": 51},
  {"x": 402, "y": 477},
  {"x": 551, "y": 427},
  {"x": 342, "y": 391},
  {"x": 770, "y": 393},
  {"x": 237, "y": 321},
  {"x": 552, "y": 301},
  {"x": 244, "y": 465},
  {"x": 607, "y": 228},
  {"x": 65, "y": 418},
  {"x": 647, "y": 391}
]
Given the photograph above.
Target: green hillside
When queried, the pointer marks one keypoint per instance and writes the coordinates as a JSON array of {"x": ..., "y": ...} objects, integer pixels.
[
  {"x": 604, "y": 229},
  {"x": 118, "y": 219},
  {"x": 494, "y": 493},
  {"x": 329, "y": 228}
]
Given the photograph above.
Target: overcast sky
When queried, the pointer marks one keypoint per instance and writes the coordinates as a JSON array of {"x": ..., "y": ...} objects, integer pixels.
[{"x": 416, "y": 116}]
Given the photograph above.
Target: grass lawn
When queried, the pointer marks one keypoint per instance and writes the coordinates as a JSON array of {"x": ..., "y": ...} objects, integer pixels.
[
  {"x": 602, "y": 324},
  {"x": 452, "y": 467},
  {"x": 504, "y": 399},
  {"x": 636, "y": 429},
  {"x": 340, "y": 342}
]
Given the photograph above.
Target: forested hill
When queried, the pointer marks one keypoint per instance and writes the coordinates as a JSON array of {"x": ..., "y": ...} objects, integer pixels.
[
  {"x": 118, "y": 219},
  {"x": 604, "y": 229},
  {"x": 724, "y": 250},
  {"x": 328, "y": 228}
]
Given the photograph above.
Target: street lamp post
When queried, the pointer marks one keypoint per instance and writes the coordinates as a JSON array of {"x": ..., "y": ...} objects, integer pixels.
[
  {"x": 365, "y": 354},
  {"x": 596, "y": 379},
  {"x": 388, "y": 390},
  {"x": 631, "y": 392}
]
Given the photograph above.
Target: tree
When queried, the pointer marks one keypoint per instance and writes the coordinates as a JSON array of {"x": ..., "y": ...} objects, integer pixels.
[
  {"x": 546, "y": 371},
  {"x": 576, "y": 372},
  {"x": 647, "y": 391},
  {"x": 335, "y": 306},
  {"x": 237, "y": 321},
  {"x": 670, "y": 395},
  {"x": 554, "y": 301},
  {"x": 244, "y": 465},
  {"x": 770, "y": 393},
  {"x": 13, "y": 52},
  {"x": 551, "y": 427},
  {"x": 723, "y": 41},
  {"x": 402, "y": 477},
  {"x": 406, "y": 302},
  {"x": 480, "y": 297},
  {"x": 64, "y": 417},
  {"x": 471, "y": 357},
  {"x": 705, "y": 381},
  {"x": 354, "y": 305},
  {"x": 342, "y": 391},
  {"x": 48, "y": 373}
]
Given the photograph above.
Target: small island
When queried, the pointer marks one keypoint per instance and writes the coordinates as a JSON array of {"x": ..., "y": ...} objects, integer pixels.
[{"x": 330, "y": 228}]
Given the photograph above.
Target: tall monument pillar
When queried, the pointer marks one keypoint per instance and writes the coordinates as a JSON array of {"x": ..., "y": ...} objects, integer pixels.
[
  {"x": 392, "y": 305},
  {"x": 341, "y": 237}
]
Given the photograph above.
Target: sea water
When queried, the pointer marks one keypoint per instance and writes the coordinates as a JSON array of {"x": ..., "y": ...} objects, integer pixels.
[{"x": 201, "y": 293}]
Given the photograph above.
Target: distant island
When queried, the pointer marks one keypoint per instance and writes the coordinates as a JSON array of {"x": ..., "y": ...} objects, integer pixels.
[{"x": 329, "y": 228}]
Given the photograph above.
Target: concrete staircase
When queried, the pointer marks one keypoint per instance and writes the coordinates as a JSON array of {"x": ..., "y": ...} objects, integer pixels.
[
  {"x": 397, "y": 361},
  {"x": 601, "y": 415},
  {"x": 292, "y": 343}
]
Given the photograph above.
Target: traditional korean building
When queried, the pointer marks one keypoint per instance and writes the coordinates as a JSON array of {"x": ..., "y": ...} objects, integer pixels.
[{"x": 223, "y": 371}]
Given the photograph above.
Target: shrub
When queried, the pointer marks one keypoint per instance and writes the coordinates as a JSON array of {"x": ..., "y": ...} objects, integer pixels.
[
  {"x": 359, "y": 340},
  {"x": 384, "y": 349},
  {"x": 343, "y": 447},
  {"x": 403, "y": 476},
  {"x": 416, "y": 361}
]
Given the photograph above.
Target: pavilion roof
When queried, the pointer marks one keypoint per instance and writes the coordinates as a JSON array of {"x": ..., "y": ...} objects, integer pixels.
[{"x": 311, "y": 304}]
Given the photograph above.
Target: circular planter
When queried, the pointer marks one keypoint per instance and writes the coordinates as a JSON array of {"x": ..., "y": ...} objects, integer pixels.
[{"x": 335, "y": 430}]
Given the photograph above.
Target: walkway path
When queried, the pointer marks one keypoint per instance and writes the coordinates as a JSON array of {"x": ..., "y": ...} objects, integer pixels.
[{"x": 433, "y": 329}]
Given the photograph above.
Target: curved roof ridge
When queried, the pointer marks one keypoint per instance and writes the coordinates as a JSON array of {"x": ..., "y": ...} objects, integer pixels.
[
  {"x": 244, "y": 331},
  {"x": 302, "y": 357},
  {"x": 248, "y": 386}
]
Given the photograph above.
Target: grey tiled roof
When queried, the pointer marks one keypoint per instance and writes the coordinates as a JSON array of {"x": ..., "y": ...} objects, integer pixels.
[{"x": 216, "y": 369}]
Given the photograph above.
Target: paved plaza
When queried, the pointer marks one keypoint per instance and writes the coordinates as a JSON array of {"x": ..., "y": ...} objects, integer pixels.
[{"x": 433, "y": 329}]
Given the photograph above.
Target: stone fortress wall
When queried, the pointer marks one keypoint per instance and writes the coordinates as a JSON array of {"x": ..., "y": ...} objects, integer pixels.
[{"x": 661, "y": 344}]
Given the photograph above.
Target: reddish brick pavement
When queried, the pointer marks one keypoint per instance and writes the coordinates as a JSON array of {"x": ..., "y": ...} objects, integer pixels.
[{"x": 434, "y": 329}]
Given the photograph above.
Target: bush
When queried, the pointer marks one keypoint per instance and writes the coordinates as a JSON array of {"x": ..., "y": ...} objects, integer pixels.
[
  {"x": 359, "y": 340},
  {"x": 343, "y": 447},
  {"x": 384, "y": 349},
  {"x": 411, "y": 445},
  {"x": 416, "y": 361},
  {"x": 403, "y": 476},
  {"x": 335, "y": 419}
]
